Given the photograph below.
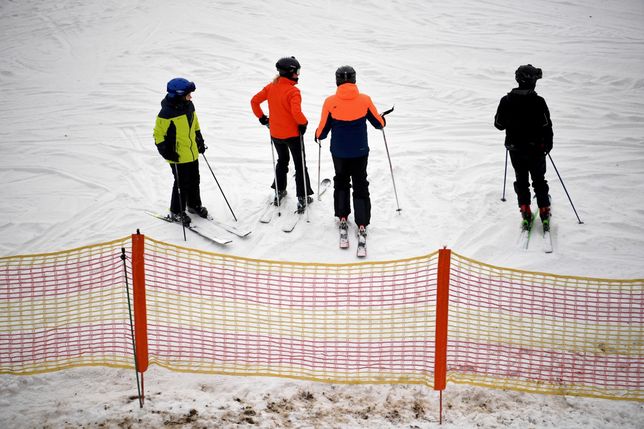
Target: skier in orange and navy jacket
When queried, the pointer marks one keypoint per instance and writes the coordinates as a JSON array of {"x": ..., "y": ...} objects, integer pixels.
[
  {"x": 287, "y": 125},
  {"x": 345, "y": 115}
]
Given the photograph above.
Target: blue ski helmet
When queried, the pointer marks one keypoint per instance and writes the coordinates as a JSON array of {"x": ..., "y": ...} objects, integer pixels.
[{"x": 180, "y": 87}]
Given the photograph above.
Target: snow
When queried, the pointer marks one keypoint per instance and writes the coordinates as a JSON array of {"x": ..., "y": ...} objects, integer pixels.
[{"x": 81, "y": 84}]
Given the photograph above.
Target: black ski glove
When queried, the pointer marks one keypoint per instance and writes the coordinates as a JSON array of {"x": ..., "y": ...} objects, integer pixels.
[
  {"x": 201, "y": 146},
  {"x": 547, "y": 147},
  {"x": 302, "y": 128},
  {"x": 264, "y": 120},
  {"x": 167, "y": 147}
]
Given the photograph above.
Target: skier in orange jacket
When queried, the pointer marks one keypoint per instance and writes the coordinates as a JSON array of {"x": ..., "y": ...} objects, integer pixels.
[
  {"x": 345, "y": 114},
  {"x": 287, "y": 127}
]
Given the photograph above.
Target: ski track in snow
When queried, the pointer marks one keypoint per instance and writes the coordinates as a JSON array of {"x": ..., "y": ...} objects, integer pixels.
[{"x": 81, "y": 84}]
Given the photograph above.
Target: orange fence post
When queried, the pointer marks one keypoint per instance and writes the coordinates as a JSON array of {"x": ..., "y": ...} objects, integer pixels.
[
  {"x": 140, "y": 316},
  {"x": 442, "y": 305}
]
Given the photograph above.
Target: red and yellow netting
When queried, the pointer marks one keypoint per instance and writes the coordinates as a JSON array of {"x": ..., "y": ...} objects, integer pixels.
[
  {"x": 64, "y": 309},
  {"x": 352, "y": 323},
  {"x": 418, "y": 320},
  {"x": 538, "y": 332}
]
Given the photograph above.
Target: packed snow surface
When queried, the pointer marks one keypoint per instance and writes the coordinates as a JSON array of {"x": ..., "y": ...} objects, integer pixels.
[{"x": 81, "y": 83}]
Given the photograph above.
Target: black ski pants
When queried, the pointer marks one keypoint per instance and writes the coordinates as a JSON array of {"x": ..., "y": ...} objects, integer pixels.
[
  {"x": 530, "y": 165},
  {"x": 350, "y": 171},
  {"x": 294, "y": 146},
  {"x": 188, "y": 182}
]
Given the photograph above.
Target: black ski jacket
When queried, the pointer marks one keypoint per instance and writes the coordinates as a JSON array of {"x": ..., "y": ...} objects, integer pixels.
[{"x": 525, "y": 118}]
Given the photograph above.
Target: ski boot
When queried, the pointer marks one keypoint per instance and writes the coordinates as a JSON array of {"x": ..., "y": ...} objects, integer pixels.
[
  {"x": 280, "y": 196},
  {"x": 526, "y": 215},
  {"x": 180, "y": 218},
  {"x": 544, "y": 214},
  {"x": 302, "y": 203},
  {"x": 200, "y": 210}
]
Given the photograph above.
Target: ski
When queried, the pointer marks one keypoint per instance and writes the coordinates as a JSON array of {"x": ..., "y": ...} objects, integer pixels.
[
  {"x": 547, "y": 238},
  {"x": 267, "y": 214},
  {"x": 324, "y": 185},
  {"x": 230, "y": 228},
  {"x": 526, "y": 229},
  {"x": 344, "y": 235},
  {"x": 361, "y": 251},
  {"x": 193, "y": 228},
  {"x": 290, "y": 222},
  {"x": 270, "y": 209}
]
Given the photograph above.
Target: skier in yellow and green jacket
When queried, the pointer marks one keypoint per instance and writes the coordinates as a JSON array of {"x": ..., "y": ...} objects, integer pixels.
[{"x": 178, "y": 139}]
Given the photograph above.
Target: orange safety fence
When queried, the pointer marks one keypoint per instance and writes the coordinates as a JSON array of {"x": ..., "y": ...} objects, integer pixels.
[{"x": 429, "y": 320}]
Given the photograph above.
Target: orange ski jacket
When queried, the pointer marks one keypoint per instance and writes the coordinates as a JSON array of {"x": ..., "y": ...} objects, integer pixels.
[
  {"x": 284, "y": 106},
  {"x": 346, "y": 114}
]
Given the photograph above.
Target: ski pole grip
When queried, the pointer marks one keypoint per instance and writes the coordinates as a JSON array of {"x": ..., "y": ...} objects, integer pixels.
[{"x": 386, "y": 112}]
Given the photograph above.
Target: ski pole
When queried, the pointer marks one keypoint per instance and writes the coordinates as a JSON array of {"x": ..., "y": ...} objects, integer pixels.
[
  {"x": 505, "y": 174},
  {"x": 221, "y": 190},
  {"x": 319, "y": 162},
  {"x": 176, "y": 173},
  {"x": 129, "y": 307},
  {"x": 277, "y": 194},
  {"x": 564, "y": 186},
  {"x": 304, "y": 177},
  {"x": 391, "y": 169}
]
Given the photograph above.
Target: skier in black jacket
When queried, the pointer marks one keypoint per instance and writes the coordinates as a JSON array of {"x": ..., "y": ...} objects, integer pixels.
[{"x": 526, "y": 120}]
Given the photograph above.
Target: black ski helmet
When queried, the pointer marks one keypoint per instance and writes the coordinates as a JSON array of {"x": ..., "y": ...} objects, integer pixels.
[
  {"x": 345, "y": 74},
  {"x": 527, "y": 75},
  {"x": 180, "y": 87},
  {"x": 287, "y": 66}
]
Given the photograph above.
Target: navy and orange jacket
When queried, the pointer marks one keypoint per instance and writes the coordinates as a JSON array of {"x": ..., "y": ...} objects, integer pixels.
[
  {"x": 284, "y": 106},
  {"x": 346, "y": 114}
]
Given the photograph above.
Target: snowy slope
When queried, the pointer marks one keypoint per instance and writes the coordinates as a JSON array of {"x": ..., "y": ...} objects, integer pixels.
[{"x": 81, "y": 84}]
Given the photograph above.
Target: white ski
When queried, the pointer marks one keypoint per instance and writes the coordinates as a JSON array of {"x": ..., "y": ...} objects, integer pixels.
[
  {"x": 290, "y": 222},
  {"x": 344, "y": 238},
  {"x": 547, "y": 242},
  {"x": 230, "y": 228},
  {"x": 547, "y": 238},
  {"x": 361, "y": 251},
  {"x": 526, "y": 232},
  {"x": 324, "y": 185},
  {"x": 193, "y": 228}
]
